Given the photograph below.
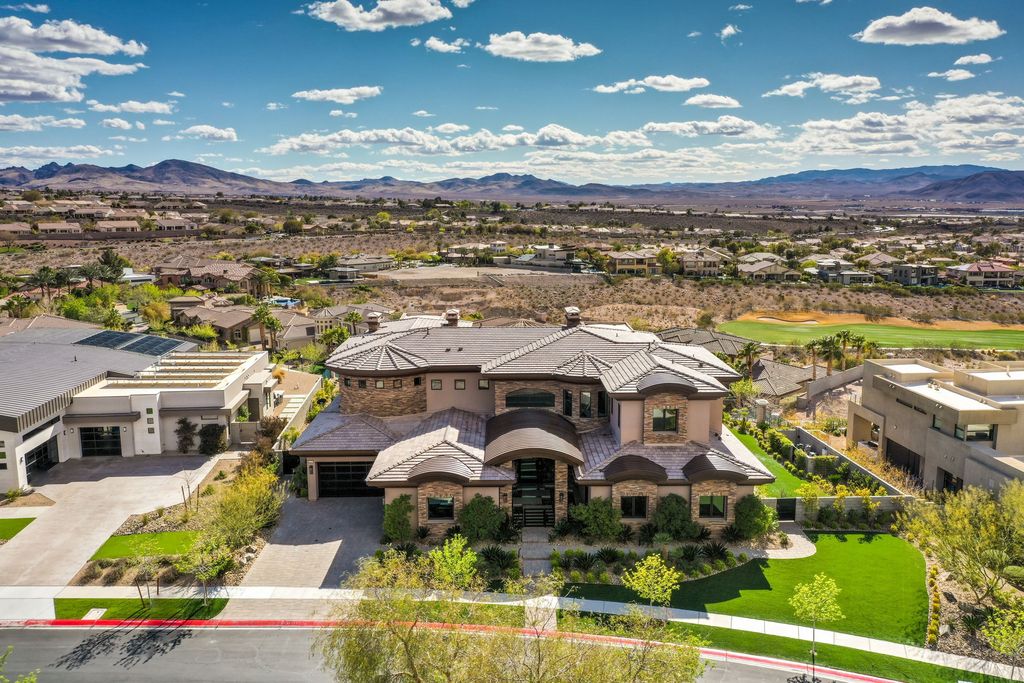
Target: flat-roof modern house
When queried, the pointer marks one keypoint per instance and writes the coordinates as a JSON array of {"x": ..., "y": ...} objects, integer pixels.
[
  {"x": 74, "y": 393},
  {"x": 537, "y": 418},
  {"x": 949, "y": 428}
]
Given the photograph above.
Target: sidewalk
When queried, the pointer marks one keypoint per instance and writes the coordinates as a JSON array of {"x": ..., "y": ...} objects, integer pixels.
[{"x": 291, "y": 603}]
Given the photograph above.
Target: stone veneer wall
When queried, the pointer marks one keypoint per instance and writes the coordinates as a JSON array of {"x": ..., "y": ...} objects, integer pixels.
[
  {"x": 437, "y": 489},
  {"x": 714, "y": 488},
  {"x": 636, "y": 487},
  {"x": 561, "y": 491},
  {"x": 664, "y": 400},
  {"x": 502, "y": 388},
  {"x": 387, "y": 402}
]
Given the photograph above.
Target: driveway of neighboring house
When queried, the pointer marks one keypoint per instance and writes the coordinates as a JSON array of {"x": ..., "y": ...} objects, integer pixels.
[
  {"x": 317, "y": 543},
  {"x": 92, "y": 498}
]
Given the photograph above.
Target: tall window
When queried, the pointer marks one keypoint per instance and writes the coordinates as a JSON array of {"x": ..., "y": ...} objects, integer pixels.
[
  {"x": 602, "y": 404},
  {"x": 530, "y": 398},
  {"x": 712, "y": 507},
  {"x": 634, "y": 507},
  {"x": 937, "y": 422},
  {"x": 441, "y": 508},
  {"x": 100, "y": 440},
  {"x": 586, "y": 404},
  {"x": 665, "y": 420},
  {"x": 566, "y": 402}
]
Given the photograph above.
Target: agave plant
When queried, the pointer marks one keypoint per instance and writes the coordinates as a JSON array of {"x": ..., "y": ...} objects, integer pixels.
[
  {"x": 714, "y": 550},
  {"x": 609, "y": 555}
]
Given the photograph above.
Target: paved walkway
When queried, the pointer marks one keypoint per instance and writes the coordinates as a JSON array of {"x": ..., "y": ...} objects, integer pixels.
[
  {"x": 263, "y": 603},
  {"x": 799, "y": 545}
]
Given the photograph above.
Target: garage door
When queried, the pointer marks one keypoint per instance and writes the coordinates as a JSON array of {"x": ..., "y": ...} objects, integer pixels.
[{"x": 338, "y": 479}]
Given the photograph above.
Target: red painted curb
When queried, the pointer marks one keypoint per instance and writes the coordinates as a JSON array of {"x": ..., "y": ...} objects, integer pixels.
[{"x": 309, "y": 623}]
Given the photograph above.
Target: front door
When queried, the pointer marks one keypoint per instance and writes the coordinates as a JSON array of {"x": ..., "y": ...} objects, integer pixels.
[
  {"x": 533, "y": 494},
  {"x": 41, "y": 458}
]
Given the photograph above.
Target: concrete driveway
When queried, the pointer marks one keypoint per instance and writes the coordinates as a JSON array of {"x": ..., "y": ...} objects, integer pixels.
[
  {"x": 92, "y": 498},
  {"x": 317, "y": 543}
]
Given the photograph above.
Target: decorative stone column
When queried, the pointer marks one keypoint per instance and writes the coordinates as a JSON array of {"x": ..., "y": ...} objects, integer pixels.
[{"x": 561, "y": 491}]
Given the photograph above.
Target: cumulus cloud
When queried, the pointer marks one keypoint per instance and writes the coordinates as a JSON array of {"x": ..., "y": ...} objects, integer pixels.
[
  {"x": 538, "y": 47},
  {"x": 462, "y": 4},
  {"x": 207, "y": 132},
  {"x": 450, "y": 128},
  {"x": 423, "y": 114},
  {"x": 163, "y": 122},
  {"x": 928, "y": 26},
  {"x": 855, "y": 89},
  {"x": 694, "y": 34},
  {"x": 30, "y": 153},
  {"x": 120, "y": 124},
  {"x": 16, "y": 123},
  {"x": 438, "y": 45},
  {"x": 64, "y": 36},
  {"x": 727, "y": 125},
  {"x": 820, "y": 2},
  {"x": 968, "y": 60},
  {"x": 709, "y": 101},
  {"x": 952, "y": 74},
  {"x": 668, "y": 83},
  {"x": 728, "y": 31},
  {"x": 29, "y": 77},
  {"x": 132, "y": 107},
  {"x": 175, "y": 93},
  {"x": 384, "y": 15},
  {"x": 512, "y": 128},
  {"x": 340, "y": 95},
  {"x": 341, "y": 113},
  {"x": 276, "y": 106}
]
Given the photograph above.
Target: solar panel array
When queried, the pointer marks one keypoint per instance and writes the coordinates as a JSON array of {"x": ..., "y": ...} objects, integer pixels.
[{"x": 127, "y": 341}]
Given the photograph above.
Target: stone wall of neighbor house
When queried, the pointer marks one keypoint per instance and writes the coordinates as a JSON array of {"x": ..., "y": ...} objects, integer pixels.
[
  {"x": 714, "y": 488},
  {"x": 503, "y": 388},
  {"x": 389, "y": 401},
  {"x": 664, "y": 400},
  {"x": 437, "y": 489},
  {"x": 505, "y": 492},
  {"x": 561, "y": 491},
  {"x": 636, "y": 487}
]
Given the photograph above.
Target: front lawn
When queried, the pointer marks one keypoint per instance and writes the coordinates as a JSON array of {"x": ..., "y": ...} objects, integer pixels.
[
  {"x": 137, "y": 545},
  {"x": 131, "y": 608},
  {"x": 882, "y": 580},
  {"x": 9, "y": 528},
  {"x": 786, "y": 483}
]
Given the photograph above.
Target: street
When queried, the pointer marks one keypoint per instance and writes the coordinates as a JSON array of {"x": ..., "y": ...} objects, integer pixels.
[{"x": 251, "y": 655}]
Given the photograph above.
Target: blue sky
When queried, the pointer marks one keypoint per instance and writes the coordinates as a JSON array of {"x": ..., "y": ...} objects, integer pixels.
[{"x": 580, "y": 90}]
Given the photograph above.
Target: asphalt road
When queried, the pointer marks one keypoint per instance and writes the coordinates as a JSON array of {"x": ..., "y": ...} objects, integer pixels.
[{"x": 250, "y": 655}]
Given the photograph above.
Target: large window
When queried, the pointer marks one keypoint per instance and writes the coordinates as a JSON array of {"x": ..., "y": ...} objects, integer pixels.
[
  {"x": 441, "y": 508},
  {"x": 602, "y": 404},
  {"x": 634, "y": 507},
  {"x": 665, "y": 420},
  {"x": 976, "y": 432},
  {"x": 530, "y": 398},
  {"x": 937, "y": 423},
  {"x": 712, "y": 507},
  {"x": 566, "y": 402},
  {"x": 100, "y": 441},
  {"x": 586, "y": 404}
]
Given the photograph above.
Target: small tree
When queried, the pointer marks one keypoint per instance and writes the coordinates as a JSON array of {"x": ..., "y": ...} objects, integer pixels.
[
  {"x": 1005, "y": 634},
  {"x": 32, "y": 677},
  {"x": 754, "y": 519},
  {"x": 817, "y": 601},
  {"x": 454, "y": 564},
  {"x": 397, "y": 520},
  {"x": 213, "y": 439},
  {"x": 652, "y": 580},
  {"x": 599, "y": 518},
  {"x": 186, "y": 433},
  {"x": 480, "y": 519},
  {"x": 743, "y": 392},
  {"x": 673, "y": 517},
  {"x": 208, "y": 559}
]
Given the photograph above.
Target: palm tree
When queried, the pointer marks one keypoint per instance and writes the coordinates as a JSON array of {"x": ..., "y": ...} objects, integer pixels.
[
  {"x": 17, "y": 306},
  {"x": 831, "y": 351},
  {"x": 111, "y": 259},
  {"x": 845, "y": 338},
  {"x": 62, "y": 279},
  {"x": 812, "y": 347},
  {"x": 262, "y": 316},
  {"x": 749, "y": 353},
  {"x": 91, "y": 272},
  {"x": 43, "y": 279},
  {"x": 353, "y": 318},
  {"x": 274, "y": 326},
  {"x": 866, "y": 349}
]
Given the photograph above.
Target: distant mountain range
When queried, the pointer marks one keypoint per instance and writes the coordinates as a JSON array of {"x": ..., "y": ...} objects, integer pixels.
[{"x": 963, "y": 183}]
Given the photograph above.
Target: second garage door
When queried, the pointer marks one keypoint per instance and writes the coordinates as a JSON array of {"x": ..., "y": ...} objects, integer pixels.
[{"x": 345, "y": 479}]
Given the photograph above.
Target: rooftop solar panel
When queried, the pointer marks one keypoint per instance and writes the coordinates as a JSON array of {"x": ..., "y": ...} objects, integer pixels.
[
  {"x": 153, "y": 346},
  {"x": 108, "y": 339}
]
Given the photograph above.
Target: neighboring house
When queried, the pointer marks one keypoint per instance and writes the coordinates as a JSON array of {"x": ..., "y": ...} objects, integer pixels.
[
  {"x": 855, "y": 277},
  {"x": 58, "y": 228},
  {"x": 334, "y": 316},
  {"x": 915, "y": 274},
  {"x": 878, "y": 260},
  {"x": 702, "y": 262},
  {"x": 74, "y": 393},
  {"x": 16, "y": 228},
  {"x": 297, "y": 329},
  {"x": 535, "y": 418},
  {"x": 233, "y": 324},
  {"x": 175, "y": 224},
  {"x": 131, "y": 277},
  {"x": 44, "y": 321},
  {"x": 760, "y": 257},
  {"x": 184, "y": 271},
  {"x": 643, "y": 262},
  {"x": 778, "y": 381},
  {"x": 949, "y": 428},
  {"x": 767, "y": 271},
  {"x": 117, "y": 226},
  {"x": 983, "y": 274},
  {"x": 367, "y": 264},
  {"x": 718, "y": 343}
]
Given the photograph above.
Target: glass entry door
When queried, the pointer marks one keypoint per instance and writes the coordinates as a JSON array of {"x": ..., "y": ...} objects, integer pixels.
[{"x": 533, "y": 494}]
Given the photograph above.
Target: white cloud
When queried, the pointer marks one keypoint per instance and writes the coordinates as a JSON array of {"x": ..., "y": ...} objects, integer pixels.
[
  {"x": 968, "y": 60},
  {"x": 163, "y": 122},
  {"x": 449, "y": 128},
  {"x": 928, "y": 26},
  {"x": 175, "y": 93},
  {"x": 741, "y": 8},
  {"x": 31, "y": 153},
  {"x": 952, "y": 74},
  {"x": 227, "y": 105},
  {"x": 415, "y": 42},
  {"x": 462, "y": 4},
  {"x": 512, "y": 128},
  {"x": 438, "y": 45},
  {"x": 343, "y": 114},
  {"x": 340, "y": 95},
  {"x": 727, "y": 125},
  {"x": 28, "y": 77},
  {"x": 820, "y": 2},
  {"x": 28, "y": 7},
  {"x": 710, "y": 101},
  {"x": 694, "y": 34},
  {"x": 538, "y": 47},
  {"x": 208, "y": 132},
  {"x": 16, "y": 123},
  {"x": 132, "y": 107},
  {"x": 139, "y": 125},
  {"x": 728, "y": 31},
  {"x": 484, "y": 107},
  {"x": 385, "y": 14},
  {"x": 423, "y": 114},
  {"x": 120, "y": 124},
  {"x": 276, "y": 106},
  {"x": 126, "y": 138},
  {"x": 667, "y": 83},
  {"x": 855, "y": 89},
  {"x": 64, "y": 36}
]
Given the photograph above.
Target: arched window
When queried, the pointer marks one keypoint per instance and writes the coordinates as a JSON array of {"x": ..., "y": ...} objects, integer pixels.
[{"x": 529, "y": 398}]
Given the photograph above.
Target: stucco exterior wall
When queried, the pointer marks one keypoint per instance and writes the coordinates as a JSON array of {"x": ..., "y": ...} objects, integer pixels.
[{"x": 471, "y": 398}]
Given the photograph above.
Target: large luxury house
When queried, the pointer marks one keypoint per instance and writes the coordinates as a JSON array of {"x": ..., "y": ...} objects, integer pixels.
[{"x": 536, "y": 418}]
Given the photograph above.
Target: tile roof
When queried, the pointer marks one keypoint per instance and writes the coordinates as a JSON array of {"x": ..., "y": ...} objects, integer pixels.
[
  {"x": 335, "y": 432},
  {"x": 716, "y": 342}
]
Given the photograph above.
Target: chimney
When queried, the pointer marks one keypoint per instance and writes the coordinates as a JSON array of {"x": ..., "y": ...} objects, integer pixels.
[
  {"x": 572, "y": 316},
  {"x": 451, "y": 317},
  {"x": 373, "y": 321}
]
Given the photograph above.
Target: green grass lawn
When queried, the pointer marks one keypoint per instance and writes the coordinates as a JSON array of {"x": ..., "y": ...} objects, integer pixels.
[
  {"x": 9, "y": 528},
  {"x": 131, "y": 608},
  {"x": 884, "y": 335},
  {"x": 881, "y": 577},
  {"x": 786, "y": 483},
  {"x": 134, "y": 545}
]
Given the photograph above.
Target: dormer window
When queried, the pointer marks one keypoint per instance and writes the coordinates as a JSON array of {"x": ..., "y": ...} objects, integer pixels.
[{"x": 665, "y": 420}]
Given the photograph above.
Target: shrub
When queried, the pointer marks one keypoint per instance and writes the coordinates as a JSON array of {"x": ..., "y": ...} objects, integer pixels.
[
  {"x": 754, "y": 519},
  {"x": 186, "y": 433},
  {"x": 689, "y": 552},
  {"x": 397, "y": 519},
  {"x": 160, "y": 511},
  {"x": 829, "y": 517},
  {"x": 213, "y": 439},
  {"x": 271, "y": 427},
  {"x": 208, "y": 490},
  {"x": 713, "y": 550},
  {"x": 731, "y": 534},
  {"x": 784, "y": 539},
  {"x": 221, "y": 476},
  {"x": 410, "y": 550},
  {"x": 498, "y": 559},
  {"x": 576, "y": 576},
  {"x": 609, "y": 555},
  {"x": 251, "y": 503},
  {"x": 626, "y": 533},
  {"x": 672, "y": 517},
  {"x": 599, "y": 519},
  {"x": 705, "y": 569},
  {"x": 555, "y": 558},
  {"x": 299, "y": 482},
  {"x": 585, "y": 561},
  {"x": 481, "y": 519},
  {"x": 730, "y": 560},
  {"x": 701, "y": 534},
  {"x": 742, "y": 557},
  {"x": 422, "y": 533},
  {"x": 646, "y": 534},
  {"x": 1014, "y": 574}
]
